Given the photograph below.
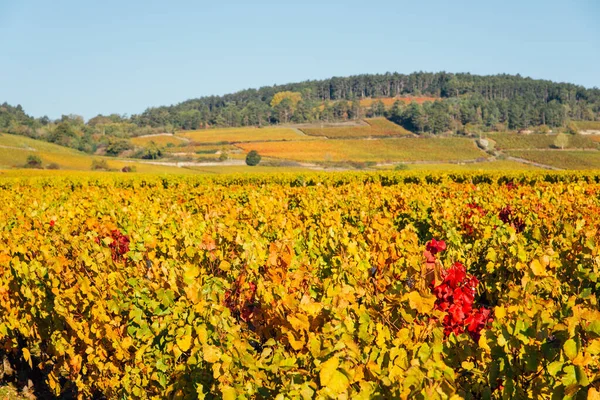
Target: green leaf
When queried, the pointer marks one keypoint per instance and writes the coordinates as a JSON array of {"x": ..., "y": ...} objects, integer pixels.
[
  {"x": 555, "y": 367},
  {"x": 570, "y": 349},
  {"x": 594, "y": 327},
  {"x": 570, "y": 376}
]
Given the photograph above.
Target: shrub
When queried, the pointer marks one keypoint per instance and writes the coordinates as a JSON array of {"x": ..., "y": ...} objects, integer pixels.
[
  {"x": 129, "y": 168},
  {"x": 401, "y": 167},
  {"x": 33, "y": 161},
  {"x": 572, "y": 128},
  {"x": 253, "y": 158},
  {"x": 99, "y": 165},
  {"x": 53, "y": 166},
  {"x": 223, "y": 156}
]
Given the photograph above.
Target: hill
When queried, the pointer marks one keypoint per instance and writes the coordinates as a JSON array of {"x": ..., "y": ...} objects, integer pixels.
[{"x": 215, "y": 128}]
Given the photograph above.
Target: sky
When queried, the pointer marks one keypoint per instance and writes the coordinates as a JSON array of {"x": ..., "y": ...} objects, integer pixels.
[{"x": 101, "y": 57}]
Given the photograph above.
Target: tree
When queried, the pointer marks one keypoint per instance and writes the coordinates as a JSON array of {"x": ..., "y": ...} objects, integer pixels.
[
  {"x": 378, "y": 108},
  {"x": 253, "y": 158},
  {"x": 561, "y": 141},
  {"x": 151, "y": 152},
  {"x": 33, "y": 161},
  {"x": 284, "y": 110},
  {"x": 293, "y": 97},
  {"x": 116, "y": 147}
]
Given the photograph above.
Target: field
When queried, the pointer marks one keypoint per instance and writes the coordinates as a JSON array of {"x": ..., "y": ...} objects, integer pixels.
[
  {"x": 247, "y": 134},
  {"x": 378, "y": 150},
  {"x": 498, "y": 165},
  {"x": 508, "y": 141},
  {"x": 14, "y": 151},
  {"x": 587, "y": 125},
  {"x": 389, "y": 101},
  {"x": 159, "y": 140},
  {"x": 575, "y": 160},
  {"x": 375, "y": 127},
  {"x": 371, "y": 285}
]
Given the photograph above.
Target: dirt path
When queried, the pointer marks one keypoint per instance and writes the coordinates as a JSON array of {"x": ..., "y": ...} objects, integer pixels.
[
  {"x": 535, "y": 164},
  {"x": 165, "y": 134},
  {"x": 18, "y": 148}
]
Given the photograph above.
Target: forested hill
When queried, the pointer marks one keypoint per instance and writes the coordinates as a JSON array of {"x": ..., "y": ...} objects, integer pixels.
[
  {"x": 515, "y": 101},
  {"x": 421, "y": 102}
]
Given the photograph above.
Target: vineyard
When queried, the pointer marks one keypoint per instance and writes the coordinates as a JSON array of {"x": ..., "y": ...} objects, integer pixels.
[
  {"x": 376, "y": 150},
  {"x": 508, "y": 141},
  {"x": 358, "y": 286},
  {"x": 247, "y": 134},
  {"x": 375, "y": 127}
]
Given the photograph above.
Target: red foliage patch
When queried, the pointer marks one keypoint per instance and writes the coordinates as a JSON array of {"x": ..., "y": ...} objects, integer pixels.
[
  {"x": 119, "y": 245},
  {"x": 507, "y": 216},
  {"x": 455, "y": 296}
]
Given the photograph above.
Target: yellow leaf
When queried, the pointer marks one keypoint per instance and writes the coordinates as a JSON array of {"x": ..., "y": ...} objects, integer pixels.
[
  {"x": 593, "y": 394},
  {"x": 327, "y": 370},
  {"x": 537, "y": 268},
  {"x": 190, "y": 273},
  {"x": 299, "y": 323},
  {"x": 500, "y": 312},
  {"x": 422, "y": 304},
  {"x": 27, "y": 356},
  {"x": 228, "y": 393},
  {"x": 225, "y": 266},
  {"x": 212, "y": 354},
  {"x": 338, "y": 383},
  {"x": 184, "y": 342},
  {"x": 331, "y": 378},
  {"x": 296, "y": 344}
]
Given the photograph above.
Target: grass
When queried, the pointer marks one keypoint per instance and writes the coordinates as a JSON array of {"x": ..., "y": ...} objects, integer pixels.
[
  {"x": 512, "y": 141},
  {"x": 247, "y": 134},
  {"x": 378, "y": 150},
  {"x": 587, "y": 125},
  {"x": 25, "y": 143},
  {"x": 17, "y": 148},
  {"x": 376, "y": 127},
  {"x": 562, "y": 159},
  {"x": 161, "y": 140}
]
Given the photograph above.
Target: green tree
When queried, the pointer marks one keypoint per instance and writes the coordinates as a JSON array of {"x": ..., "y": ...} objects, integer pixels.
[
  {"x": 253, "y": 158},
  {"x": 116, "y": 147},
  {"x": 378, "y": 108},
  {"x": 33, "y": 161},
  {"x": 561, "y": 141}
]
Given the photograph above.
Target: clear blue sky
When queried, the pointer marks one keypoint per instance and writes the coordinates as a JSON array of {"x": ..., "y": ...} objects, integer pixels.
[{"x": 90, "y": 57}]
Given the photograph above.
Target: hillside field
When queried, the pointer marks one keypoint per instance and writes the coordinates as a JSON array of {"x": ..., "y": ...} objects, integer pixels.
[
  {"x": 377, "y": 150},
  {"x": 573, "y": 160},
  {"x": 159, "y": 140},
  {"x": 14, "y": 151},
  {"x": 375, "y": 127},
  {"x": 247, "y": 134},
  {"x": 509, "y": 141}
]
